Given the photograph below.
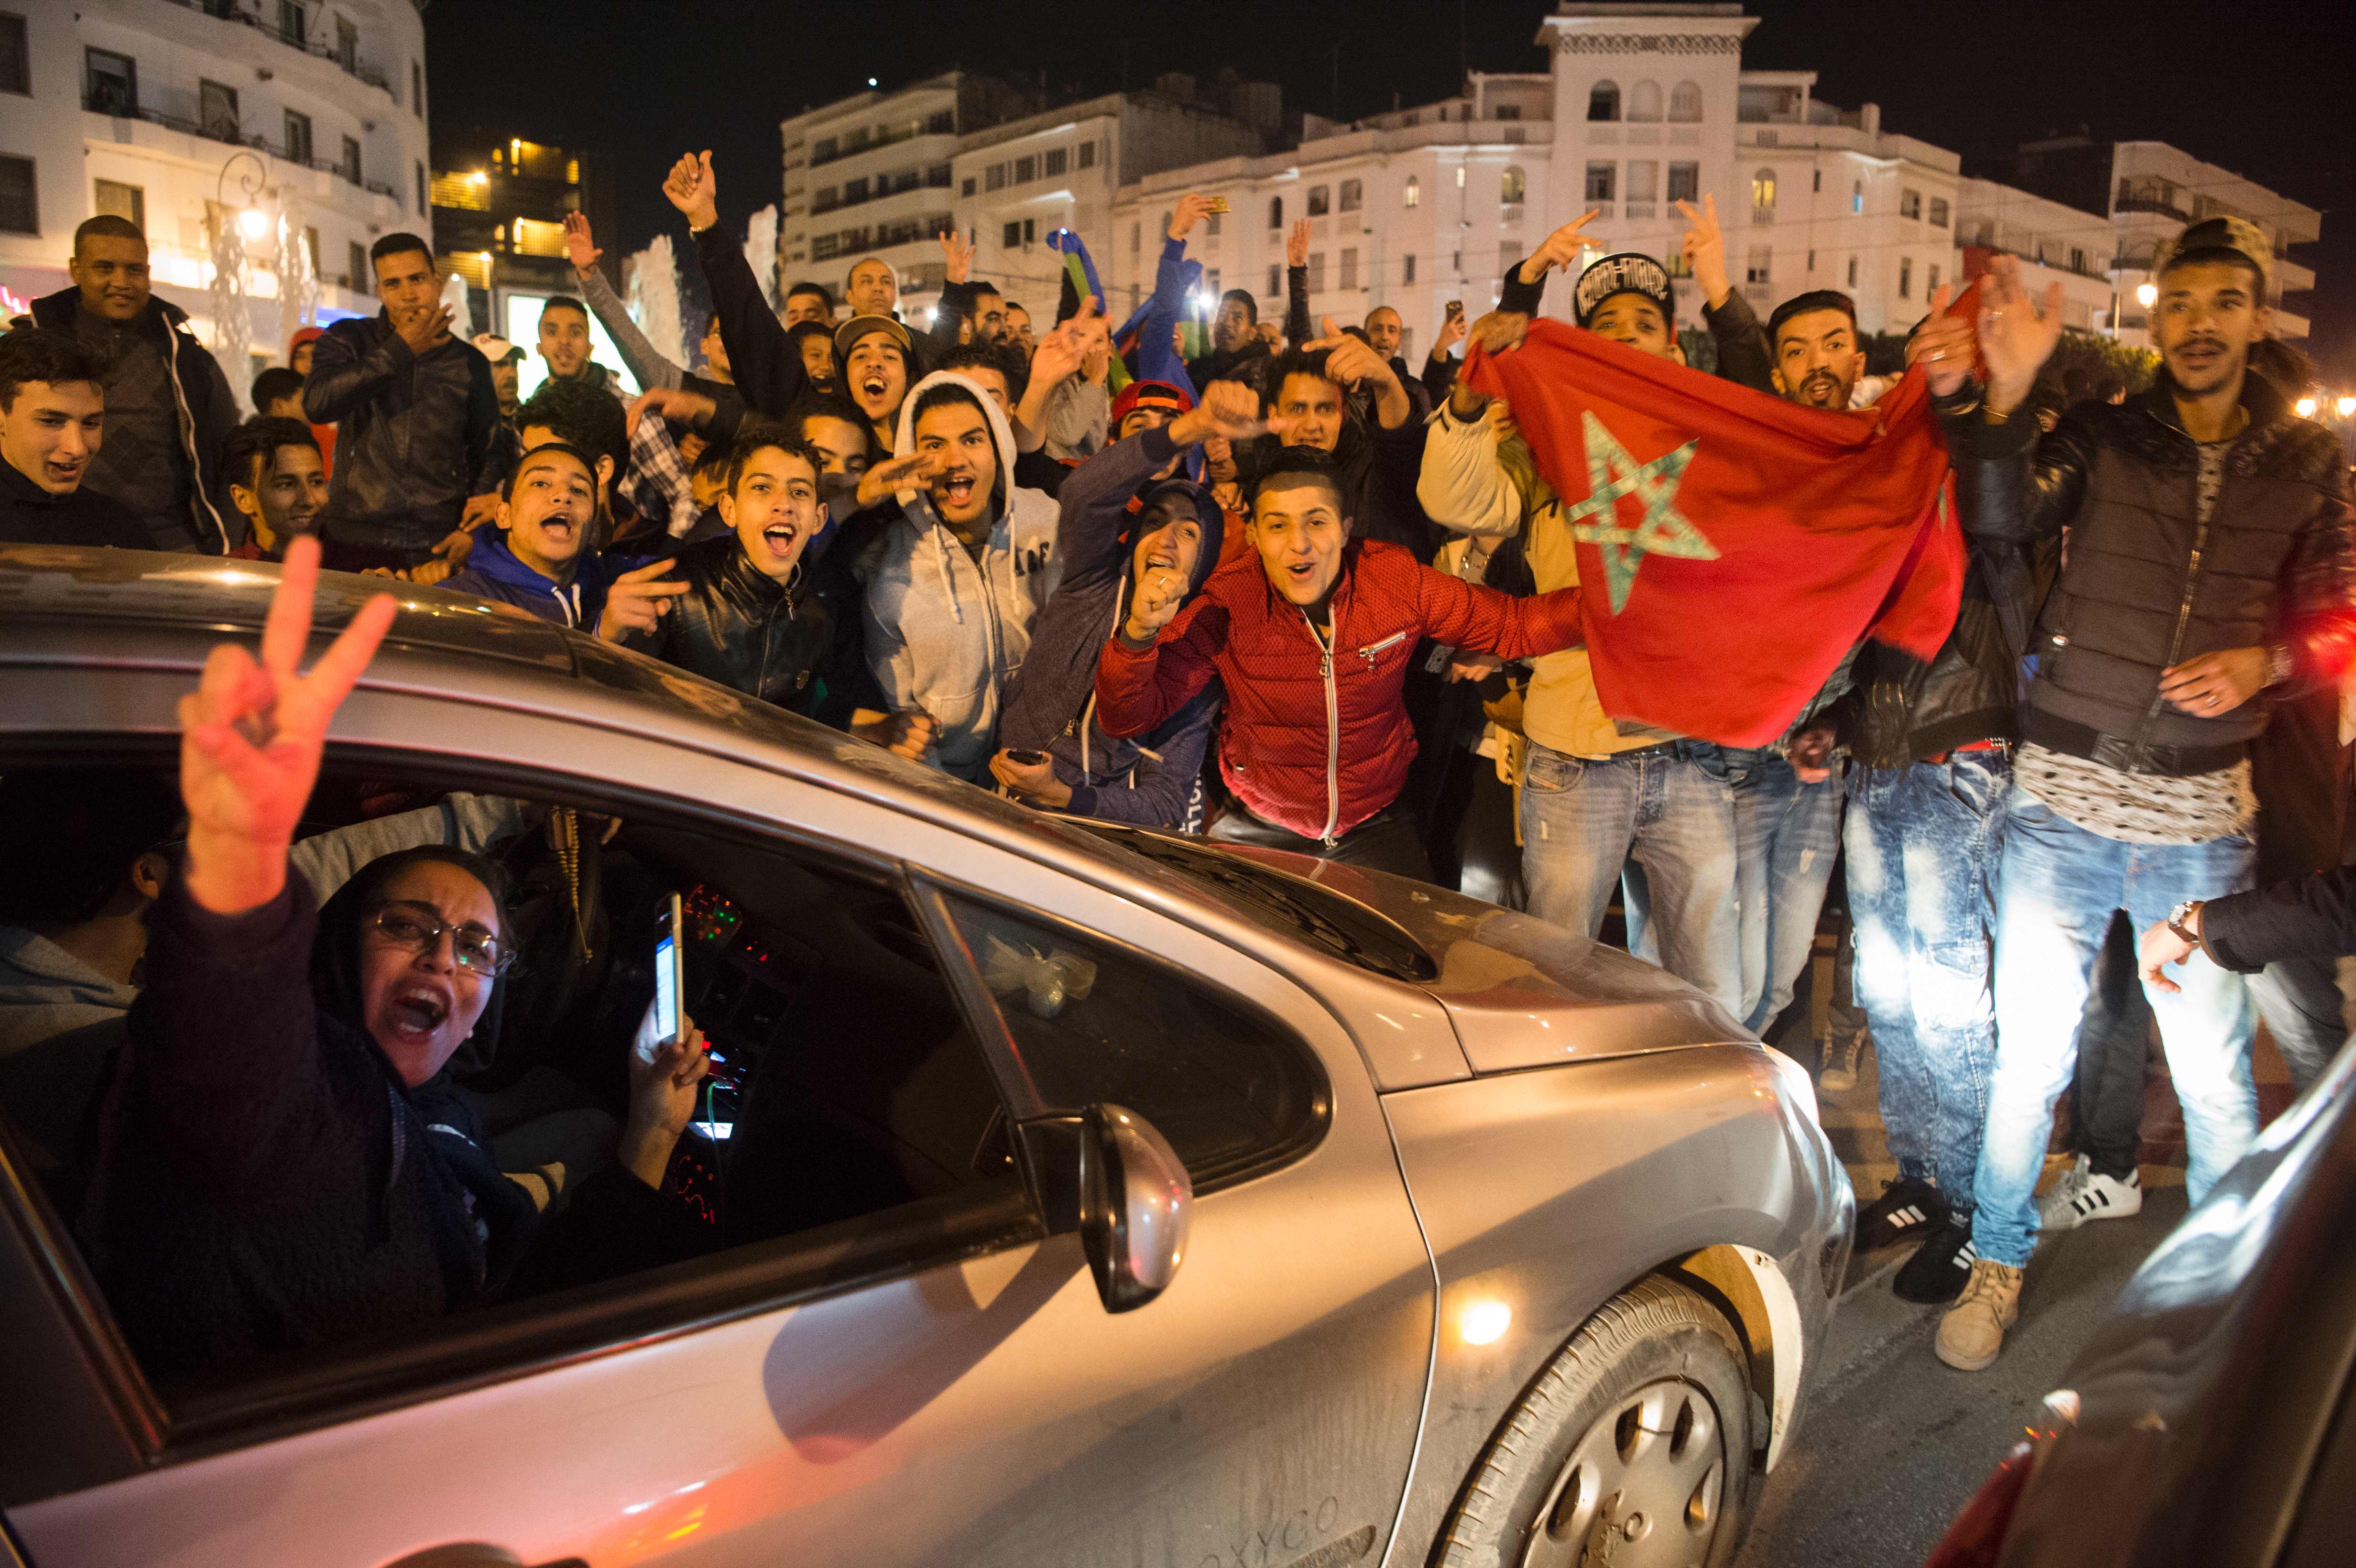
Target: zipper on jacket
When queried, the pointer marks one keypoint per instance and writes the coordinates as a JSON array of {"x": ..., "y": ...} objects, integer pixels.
[
  {"x": 1333, "y": 730},
  {"x": 1369, "y": 651},
  {"x": 200, "y": 505}
]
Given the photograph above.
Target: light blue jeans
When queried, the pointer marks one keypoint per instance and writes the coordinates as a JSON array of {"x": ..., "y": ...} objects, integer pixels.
[
  {"x": 1668, "y": 808},
  {"x": 1922, "y": 842},
  {"x": 2057, "y": 888},
  {"x": 1785, "y": 835}
]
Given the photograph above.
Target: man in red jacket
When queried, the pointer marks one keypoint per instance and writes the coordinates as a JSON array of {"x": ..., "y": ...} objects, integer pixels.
[{"x": 1313, "y": 634}]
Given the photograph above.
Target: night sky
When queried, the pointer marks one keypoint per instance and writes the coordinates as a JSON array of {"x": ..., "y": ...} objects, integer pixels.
[{"x": 2262, "y": 87}]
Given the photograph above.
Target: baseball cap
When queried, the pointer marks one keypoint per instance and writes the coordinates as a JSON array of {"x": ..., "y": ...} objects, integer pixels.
[
  {"x": 496, "y": 349},
  {"x": 1152, "y": 395},
  {"x": 2238, "y": 235},
  {"x": 1623, "y": 272},
  {"x": 859, "y": 326}
]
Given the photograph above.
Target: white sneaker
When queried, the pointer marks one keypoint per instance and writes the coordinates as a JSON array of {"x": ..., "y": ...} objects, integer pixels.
[{"x": 2081, "y": 1195}]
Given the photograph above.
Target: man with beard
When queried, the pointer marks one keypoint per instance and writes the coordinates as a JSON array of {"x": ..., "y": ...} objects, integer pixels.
[
  {"x": 1238, "y": 353},
  {"x": 640, "y": 353},
  {"x": 276, "y": 480},
  {"x": 2210, "y": 573},
  {"x": 1018, "y": 330},
  {"x": 565, "y": 346}
]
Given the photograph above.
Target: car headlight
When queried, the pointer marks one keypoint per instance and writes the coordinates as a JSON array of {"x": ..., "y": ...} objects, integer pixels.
[{"x": 1797, "y": 1083}]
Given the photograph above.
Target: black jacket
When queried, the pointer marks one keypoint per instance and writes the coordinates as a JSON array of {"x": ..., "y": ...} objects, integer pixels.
[
  {"x": 30, "y": 514},
  {"x": 207, "y": 410},
  {"x": 1249, "y": 364},
  {"x": 414, "y": 434},
  {"x": 2313, "y": 917},
  {"x": 798, "y": 648},
  {"x": 2148, "y": 585}
]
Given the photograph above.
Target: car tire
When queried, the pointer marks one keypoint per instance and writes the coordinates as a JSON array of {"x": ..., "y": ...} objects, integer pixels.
[{"x": 1641, "y": 1427}]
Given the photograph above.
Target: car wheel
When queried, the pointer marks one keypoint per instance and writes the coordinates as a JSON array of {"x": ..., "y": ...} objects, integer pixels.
[{"x": 1631, "y": 1448}]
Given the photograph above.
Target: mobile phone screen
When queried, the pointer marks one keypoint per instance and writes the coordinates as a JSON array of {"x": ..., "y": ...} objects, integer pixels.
[{"x": 667, "y": 988}]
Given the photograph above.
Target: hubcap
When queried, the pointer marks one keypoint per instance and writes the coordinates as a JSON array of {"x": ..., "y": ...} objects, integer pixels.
[{"x": 1640, "y": 1489}]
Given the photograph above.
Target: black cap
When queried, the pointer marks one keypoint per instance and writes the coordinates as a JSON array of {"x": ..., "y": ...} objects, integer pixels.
[{"x": 1623, "y": 272}]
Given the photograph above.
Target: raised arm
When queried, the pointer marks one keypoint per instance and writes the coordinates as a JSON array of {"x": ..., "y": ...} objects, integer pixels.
[
  {"x": 1467, "y": 615},
  {"x": 1145, "y": 676},
  {"x": 640, "y": 354},
  {"x": 1296, "y": 284},
  {"x": 768, "y": 369},
  {"x": 1460, "y": 485}
]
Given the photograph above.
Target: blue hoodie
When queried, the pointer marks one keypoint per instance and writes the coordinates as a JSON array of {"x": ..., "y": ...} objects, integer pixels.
[
  {"x": 1150, "y": 779},
  {"x": 493, "y": 573}
]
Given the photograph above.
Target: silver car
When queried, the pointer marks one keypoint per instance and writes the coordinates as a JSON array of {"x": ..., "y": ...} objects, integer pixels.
[{"x": 1090, "y": 1196}]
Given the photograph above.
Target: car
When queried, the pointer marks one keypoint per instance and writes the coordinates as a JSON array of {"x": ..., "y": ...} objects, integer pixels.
[
  {"x": 2212, "y": 1417},
  {"x": 1080, "y": 1195}
]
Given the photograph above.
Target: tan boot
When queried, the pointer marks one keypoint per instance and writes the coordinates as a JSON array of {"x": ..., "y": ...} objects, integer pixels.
[{"x": 1972, "y": 1332}]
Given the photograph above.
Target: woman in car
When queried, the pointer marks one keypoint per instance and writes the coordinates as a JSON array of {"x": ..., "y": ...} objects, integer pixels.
[{"x": 272, "y": 1172}]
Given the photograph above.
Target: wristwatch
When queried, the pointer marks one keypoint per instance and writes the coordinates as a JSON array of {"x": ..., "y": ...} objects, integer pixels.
[{"x": 2182, "y": 913}]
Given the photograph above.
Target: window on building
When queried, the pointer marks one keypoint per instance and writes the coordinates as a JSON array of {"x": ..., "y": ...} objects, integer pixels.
[
  {"x": 967, "y": 187},
  {"x": 417, "y": 89},
  {"x": 311, "y": 249},
  {"x": 2077, "y": 260},
  {"x": 936, "y": 177},
  {"x": 20, "y": 207},
  {"x": 1350, "y": 267},
  {"x": 355, "y": 258},
  {"x": 1604, "y": 100},
  {"x": 1856, "y": 196},
  {"x": 1602, "y": 181},
  {"x": 854, "y": 191},
  {"x": 1645, "y": 100},
  {"x": 421, "y": 189},
  {"x": 1938, "y": 212},
  {"x": 16, "y": 55},
  {"x": 298, "y": 137},
  {"x": 1011, "y": 236},
  {"x": 110, "y": 83},
  {"x": 1685, "y": 102},
  {"x": 1354, "y": 195},
  {"x": 1406, "y": 268},
  {"x": 119, "y": 200},
  {"x": 1054, "y": 161},
  {"x": 1812, "y": 263},
  {"x": 1275, "y": 212},
  {"x": 1763, "y": 190},
  {"x": 217, "y": 112},
  {"x": 1088, "y": 155},
  {"x": 1644, "y": 179},
  {"x": 1906, "y": 277},
  {"x": 1761, "y": 262},
  {"x": 294, "y": 22},
  {"x": 1211, "y": 226},
  {"x": 1460, "y": 176},
  {"x": 1413, "y": 192},
  {"x": 995, "y": 177},
  {"x": 1684, "y": 182},
  {"x": 1909, "y": 204},
  {"x": 1136, "y": 238},
  {"x": 1276, "y": 278},
  {"x": 347, "y": 44},
  {"x": 1026, "y": 170},
  {"x": 1321, "y": 200},
  {"x": 1815, "y": 182},
  {"x": 351, "y": 166},
  {"x": 1512, "y": 185},
  {"x": 1852, "y": 271},
  {"x": 1930, "y": 282},
  {"x": 1317, "y": 272}
]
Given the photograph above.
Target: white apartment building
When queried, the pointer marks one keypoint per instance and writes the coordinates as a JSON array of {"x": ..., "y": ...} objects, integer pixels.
[
  {"x": 268, "y": 124},
  {"x": 1647, "y": 103},
  {"x": 1017, "y": 183},
  {"x": 2055, "y": 243}
]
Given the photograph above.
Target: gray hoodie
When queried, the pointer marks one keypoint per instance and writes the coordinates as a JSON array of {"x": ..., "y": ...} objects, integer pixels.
[{"x": 944, "y": 631}]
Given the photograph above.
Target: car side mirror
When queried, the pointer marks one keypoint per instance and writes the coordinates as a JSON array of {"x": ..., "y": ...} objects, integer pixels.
[{"x": 1135, "y": 1206}]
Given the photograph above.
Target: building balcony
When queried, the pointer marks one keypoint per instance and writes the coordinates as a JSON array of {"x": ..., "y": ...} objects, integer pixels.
[
  {"x": 829, "y": 149},
  {"x": 227, "y": 135},
  {"x": 245, "y": 13},
  {"x": 936, "y": 178},
  {"x": 2159, "y": 206},
  {"x": 2289, "y": 324},
  {"x": 2294, "y": 278}
]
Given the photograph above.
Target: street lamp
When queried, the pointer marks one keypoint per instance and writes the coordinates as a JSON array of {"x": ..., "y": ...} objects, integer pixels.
[
  {"x": 2145, "y": 294},
  {"x": 232, "y": 317},
  {"x": 2303, "y": 408},
  {"x": 2345, "y": 407}
]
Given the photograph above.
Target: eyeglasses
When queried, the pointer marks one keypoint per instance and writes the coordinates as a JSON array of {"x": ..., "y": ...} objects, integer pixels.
[{"x": 419, "y": 927}]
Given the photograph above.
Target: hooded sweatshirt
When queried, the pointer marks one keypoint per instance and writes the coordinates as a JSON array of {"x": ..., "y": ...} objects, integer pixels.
[
  {"x": 1051, "y": 703},
  {"x": 945, "y": 631},
  {"x": 495, "y": 572}
]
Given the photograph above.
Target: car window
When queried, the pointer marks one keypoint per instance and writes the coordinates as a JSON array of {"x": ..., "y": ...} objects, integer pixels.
[
  {"x": 848, "y": 1099},
  {"x": 1290, "y": 906},
  {"x": 1234, "y": 1092}
]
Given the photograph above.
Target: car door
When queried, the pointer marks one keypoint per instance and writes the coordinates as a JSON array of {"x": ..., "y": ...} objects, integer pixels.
[{"x": 941, "y": 1383}]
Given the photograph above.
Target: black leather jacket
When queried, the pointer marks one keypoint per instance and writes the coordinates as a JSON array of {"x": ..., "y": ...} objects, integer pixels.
[
  {"x": 2148, "y": 584},
  {"x": 413, "y": 433},
  {"x": 798, "y": 646}
]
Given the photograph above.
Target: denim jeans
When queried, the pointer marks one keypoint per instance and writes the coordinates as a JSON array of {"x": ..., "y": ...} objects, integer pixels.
[
  {"x": 1922, "y": 843},
  {"x": 1785, "y": 835},
  {"x": 2056, "y": 889},
  {"x": 1670, "y": 810}
]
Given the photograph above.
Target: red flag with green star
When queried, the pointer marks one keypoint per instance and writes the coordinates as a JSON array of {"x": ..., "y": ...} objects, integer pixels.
[{"x": 1733, "y": 546}]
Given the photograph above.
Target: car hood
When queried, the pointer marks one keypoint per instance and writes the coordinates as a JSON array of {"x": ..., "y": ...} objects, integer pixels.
[{"x": 1520, "y": 991}]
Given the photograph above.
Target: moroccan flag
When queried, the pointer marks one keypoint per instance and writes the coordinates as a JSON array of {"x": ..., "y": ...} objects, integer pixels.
[{"x": 1733, "y": 547}]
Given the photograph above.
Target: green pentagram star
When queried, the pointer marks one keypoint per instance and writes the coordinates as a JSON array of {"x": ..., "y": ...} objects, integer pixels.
[{"x": 1612, "y": 473}]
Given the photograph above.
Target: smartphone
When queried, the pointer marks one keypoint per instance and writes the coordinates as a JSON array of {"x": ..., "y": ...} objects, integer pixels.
[
  {"x": 1455, "y": 308},
  {"x": 1027, "y": 757},
  {"x": 670, "y": 968},
  {"x": 1216, "y": 204}
]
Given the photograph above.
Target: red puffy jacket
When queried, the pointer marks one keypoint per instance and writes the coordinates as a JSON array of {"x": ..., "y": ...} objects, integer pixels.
[{"x": 1314, "y": 743}]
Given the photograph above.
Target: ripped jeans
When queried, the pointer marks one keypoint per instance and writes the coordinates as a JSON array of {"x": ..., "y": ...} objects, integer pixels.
[{"x": 1922, "y": 843}]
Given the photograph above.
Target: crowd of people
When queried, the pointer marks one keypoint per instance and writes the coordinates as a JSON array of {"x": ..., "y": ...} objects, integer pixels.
[{"x": 1276, "y": 585}]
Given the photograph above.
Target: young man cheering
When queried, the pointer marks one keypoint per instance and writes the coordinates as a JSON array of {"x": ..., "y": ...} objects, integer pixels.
[
  {"x": 538, "y": 557},
  {"x": 52, "y": 421},
  {"x": 276, "y": 480},
  {"x": 2210, "y": 571}
]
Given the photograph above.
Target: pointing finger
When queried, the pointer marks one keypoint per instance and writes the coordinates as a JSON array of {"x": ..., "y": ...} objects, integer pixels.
[{"x": 644, "y": 572}]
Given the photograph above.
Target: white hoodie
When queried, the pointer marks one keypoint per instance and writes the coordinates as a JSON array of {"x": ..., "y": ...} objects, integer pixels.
[{"x": 944, "y": 631}]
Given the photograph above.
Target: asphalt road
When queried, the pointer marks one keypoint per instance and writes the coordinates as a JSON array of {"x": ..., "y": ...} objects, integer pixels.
[{"x": 1893, "y": 1443}]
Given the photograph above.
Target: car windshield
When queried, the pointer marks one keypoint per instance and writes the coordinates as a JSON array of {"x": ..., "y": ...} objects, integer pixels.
[{"x": 1288, "y": 905}]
